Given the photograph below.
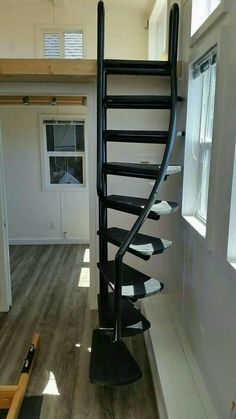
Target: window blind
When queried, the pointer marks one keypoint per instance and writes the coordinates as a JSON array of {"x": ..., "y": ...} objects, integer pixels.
[
  {"x": 204, "y": 63},
  {"x": 63, "y": 44},
  {"x": 52, "y": 45},
  {"x": 73, "y": 44}
]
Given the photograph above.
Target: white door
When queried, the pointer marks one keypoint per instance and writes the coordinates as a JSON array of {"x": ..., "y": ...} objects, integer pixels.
[{"x": 5, "y": 277}]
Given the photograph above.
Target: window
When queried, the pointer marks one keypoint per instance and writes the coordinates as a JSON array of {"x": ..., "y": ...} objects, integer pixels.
[
  {"x": 61, "y": 44},
  {"x": 206, "y": 72},
  {"x": 201, "y": 9},
  {"x": 199, "y": 132},
  {"x": 64, "y": 154},
  {"x": 232, "y": 224}
]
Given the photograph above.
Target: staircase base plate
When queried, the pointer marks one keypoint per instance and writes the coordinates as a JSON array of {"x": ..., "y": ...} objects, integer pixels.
[{"x": 111, "y": 363}]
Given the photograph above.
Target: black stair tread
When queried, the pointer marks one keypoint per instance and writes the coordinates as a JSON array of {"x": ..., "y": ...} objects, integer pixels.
[
  {"x": 153, "y": 137},
  {"x": 138, "y": 67},
  {"x": 135, "y": 205},
  {"x": 138, "y": 102},
  {"x": 142, "y": 245},
  {"x": 133, "y": 322},
  {"x": 135, "y": 284},
  {"x": 111, "y": 363},
  {"x": 148, "y": 171}
]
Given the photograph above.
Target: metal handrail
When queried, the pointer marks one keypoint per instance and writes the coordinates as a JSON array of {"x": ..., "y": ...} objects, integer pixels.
[
  {"x": 101, "y": 145},
  {"x": 101, "y": 91}
]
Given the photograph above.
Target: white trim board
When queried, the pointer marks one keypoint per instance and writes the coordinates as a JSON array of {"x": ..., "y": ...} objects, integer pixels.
[
  {"x": 181, "y": 392},
  {"x": 22, "y": 242}
]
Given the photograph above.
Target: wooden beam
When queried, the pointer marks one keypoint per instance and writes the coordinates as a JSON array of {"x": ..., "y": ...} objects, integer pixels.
[
  {"x": 42, "y": 100},
  {"x": 47, "y": 69},
  {"x": 6, "y": 396}
]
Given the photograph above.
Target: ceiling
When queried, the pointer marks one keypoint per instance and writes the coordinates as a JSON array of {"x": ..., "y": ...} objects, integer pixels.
[
  {"x": 135, "y": 5},
  {"x": 141, "y": 5}
]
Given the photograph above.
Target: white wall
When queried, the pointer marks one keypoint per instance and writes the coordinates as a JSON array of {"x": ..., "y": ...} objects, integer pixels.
[
  {"x": 125, "y": 33},
  {"x": 33, "y": 214},
  {"x": 198, "y": 276}
]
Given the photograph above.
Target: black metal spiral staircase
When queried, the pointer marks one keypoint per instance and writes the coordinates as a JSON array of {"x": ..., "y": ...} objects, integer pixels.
[{"x": 111, "y": 363}]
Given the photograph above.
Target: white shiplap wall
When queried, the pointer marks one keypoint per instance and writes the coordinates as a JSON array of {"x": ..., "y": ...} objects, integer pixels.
[{"x": 201, "y": 282}]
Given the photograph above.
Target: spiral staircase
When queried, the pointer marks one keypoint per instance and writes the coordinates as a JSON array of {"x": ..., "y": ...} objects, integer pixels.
[{"x": 111, "y": 362}]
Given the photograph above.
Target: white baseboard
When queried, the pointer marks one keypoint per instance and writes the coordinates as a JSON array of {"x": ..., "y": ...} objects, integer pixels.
[
  {"x": 3, "y": 308},
  {"x": 181, "y": 392},
  {"x": 47, "y": 241}
]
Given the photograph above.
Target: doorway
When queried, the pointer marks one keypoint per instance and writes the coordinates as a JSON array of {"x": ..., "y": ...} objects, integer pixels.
[{"x": 45, "y": 217}]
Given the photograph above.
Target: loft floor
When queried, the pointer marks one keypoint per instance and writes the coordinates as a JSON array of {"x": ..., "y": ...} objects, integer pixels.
[{"x": 48, "y": 300}]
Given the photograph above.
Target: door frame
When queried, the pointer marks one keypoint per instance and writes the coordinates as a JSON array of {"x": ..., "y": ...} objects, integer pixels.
[
  {"x": 5, "y": 275},
  {"x": 87, "y": 89}
]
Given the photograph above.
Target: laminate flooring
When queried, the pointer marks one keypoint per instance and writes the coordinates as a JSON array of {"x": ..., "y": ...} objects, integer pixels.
[{"x": 48, "y": 300}]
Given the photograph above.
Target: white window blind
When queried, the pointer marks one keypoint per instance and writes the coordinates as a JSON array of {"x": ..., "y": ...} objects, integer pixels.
[
  {"x": 52, "y": 45},
  {"x": 60, "y": 44},
  {"x": 73, "y": 44}
]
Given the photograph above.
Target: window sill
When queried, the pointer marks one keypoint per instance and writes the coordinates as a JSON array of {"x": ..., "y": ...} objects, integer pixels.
[
  {"x": 198, "y": 225},
  {"x": 218, "y": 13},
  {"x": 66, "y": 188}
]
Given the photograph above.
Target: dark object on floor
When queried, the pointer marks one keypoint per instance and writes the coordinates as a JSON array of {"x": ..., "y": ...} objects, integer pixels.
[{"x": 30, "y": 409}]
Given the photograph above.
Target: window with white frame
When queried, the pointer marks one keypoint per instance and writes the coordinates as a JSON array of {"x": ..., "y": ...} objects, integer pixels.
[
  {"x": 200, "y": 118},
  {"x": 232, "y": 224},
  {"x": 201, "y": 10},
  {"x": 62, "y": 44},
  {"x": 63, "y": 154}
]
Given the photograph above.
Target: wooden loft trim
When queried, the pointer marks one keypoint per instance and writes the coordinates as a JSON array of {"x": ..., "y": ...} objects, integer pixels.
[
  {"x": 46, "y": 69},
  {"x": 40, "y": 69},
  {"x": 42, "y": 100}
]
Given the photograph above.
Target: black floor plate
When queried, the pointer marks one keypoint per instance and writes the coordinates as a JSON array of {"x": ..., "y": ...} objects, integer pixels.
[
  {"x": 135, "y": 284},
  {"x": 111, "y": 363},
  {"x": 142, "y": 245},
  {"x": 133, "y": 322}
]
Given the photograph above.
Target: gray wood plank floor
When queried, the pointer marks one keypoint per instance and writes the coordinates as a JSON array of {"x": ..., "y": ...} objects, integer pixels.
[{"x": 47, "y": 300}]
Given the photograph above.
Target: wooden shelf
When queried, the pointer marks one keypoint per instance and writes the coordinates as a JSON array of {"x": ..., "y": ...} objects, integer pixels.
[{"x": 47, "y": 70}]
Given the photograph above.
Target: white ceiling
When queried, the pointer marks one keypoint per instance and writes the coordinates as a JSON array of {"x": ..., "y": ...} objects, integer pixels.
[
  {"x": 141, "y": 5},
  {"x": 138, "y": 5}
]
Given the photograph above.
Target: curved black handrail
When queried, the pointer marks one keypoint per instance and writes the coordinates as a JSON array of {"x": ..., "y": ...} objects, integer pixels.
[
  {"x": 101, "y": 84},
  {"x": 172, "y": 58}
]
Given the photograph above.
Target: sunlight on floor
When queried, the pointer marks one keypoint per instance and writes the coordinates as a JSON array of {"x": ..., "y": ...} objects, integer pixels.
[
  {"x": 51, "y": 387},
  {"x": 86, "y": 255},
  {"x": 89, "y": 349},
  {"x": 78, "y": 345},
  {"x": 84, "y": 278}
]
